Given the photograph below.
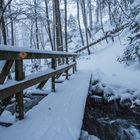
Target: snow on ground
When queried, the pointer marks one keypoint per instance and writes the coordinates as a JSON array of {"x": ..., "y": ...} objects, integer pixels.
[
  {"x": 103, "y": 63},
  {"x": 86, "y": 136},
  {"x": 7, "y": 117},
  {"x": 57, "y": 117}
]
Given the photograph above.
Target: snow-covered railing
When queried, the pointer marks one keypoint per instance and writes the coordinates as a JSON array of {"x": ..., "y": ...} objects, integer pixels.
[
  {"x": 16, "y": 56},
  {"x": 14, "y": 53}
]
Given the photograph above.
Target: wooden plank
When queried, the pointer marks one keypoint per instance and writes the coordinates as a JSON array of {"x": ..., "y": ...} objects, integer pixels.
[
  {"x": 3, "y": 75},
  {"x": 42, "y": 84},
  {"x": 59, "y": 81},
  {"x": 58, "y": 76},
  {"x": 8, "y": 90},
  {"x": 22, "y": 53},
  {"x": 39, "y": 94},
  {"x": 5, "y": 70}
]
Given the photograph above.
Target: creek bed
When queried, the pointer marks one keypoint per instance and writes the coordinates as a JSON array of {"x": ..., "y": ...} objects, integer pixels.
[{"x": 114, "y": 120}]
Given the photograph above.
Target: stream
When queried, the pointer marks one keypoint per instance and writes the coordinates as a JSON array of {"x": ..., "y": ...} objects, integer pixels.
[{"x": 109, "y": 120}]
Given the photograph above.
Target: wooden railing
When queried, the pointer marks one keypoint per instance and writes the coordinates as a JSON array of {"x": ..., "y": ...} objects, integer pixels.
[{"x": 16, "y": 56}]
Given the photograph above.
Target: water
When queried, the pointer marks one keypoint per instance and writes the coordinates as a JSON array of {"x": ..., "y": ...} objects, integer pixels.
[{"x": 108, "y": 121}]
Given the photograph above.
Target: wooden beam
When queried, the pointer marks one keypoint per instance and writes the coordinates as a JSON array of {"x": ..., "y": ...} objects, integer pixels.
[
  {"x": 22, "y": 53},
  {"x": 5, "y": 71},
  {"x": 3, "y": 75},
  {"x": 42, "y": 84},
  {"x": 57, "y": 76}
]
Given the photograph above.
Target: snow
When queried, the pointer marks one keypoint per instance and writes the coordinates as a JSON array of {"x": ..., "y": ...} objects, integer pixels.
[
  {"x": 57, "y": 117},
  {"x": 86, "y": 136},
  {"x": 7, "y": 117},
  {"x": 103, "y": 64}
]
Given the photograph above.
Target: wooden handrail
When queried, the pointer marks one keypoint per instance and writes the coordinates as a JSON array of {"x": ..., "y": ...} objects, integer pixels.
[
  {"x": 17, "y": 86},
  {"x": 16, "y": 53}
]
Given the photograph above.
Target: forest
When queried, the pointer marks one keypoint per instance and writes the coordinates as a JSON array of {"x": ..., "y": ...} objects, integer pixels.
[{"x": 69, "y": 69}]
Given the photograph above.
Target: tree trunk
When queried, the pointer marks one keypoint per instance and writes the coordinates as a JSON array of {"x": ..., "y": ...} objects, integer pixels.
[
  {"x": 58, "y": 28},
  {"x": 109, "y": 12},
  {"x": 12, "y": 27},
  {"x": 90, "y": 15},
  {"x": 36, "y": 25},
  {"x": 79, "y": 24},
  {"x": 97, "y": 11},
  {"x": 48, "y": 24},
  {"x": 85, "y": 23},
  {"x": 101, "y": 18},
  {"x": 66, "y": 42}
]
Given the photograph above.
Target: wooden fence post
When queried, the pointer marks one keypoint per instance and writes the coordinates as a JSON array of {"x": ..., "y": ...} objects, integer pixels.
[
  {"x": 74, "y": 68},
  {"x": 67, "y": 71},
  {"x": 53, "y": 78},
  {"x": 19, "y": 75}
]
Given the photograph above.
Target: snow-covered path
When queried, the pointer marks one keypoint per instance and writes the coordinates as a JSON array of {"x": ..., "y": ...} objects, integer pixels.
[
  {"x": 103, "y": 63},
  {"x": 57, "y": 117}
]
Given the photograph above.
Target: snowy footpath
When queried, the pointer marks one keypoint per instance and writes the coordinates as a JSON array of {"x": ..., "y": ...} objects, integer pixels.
[{"x": 57, "y": 117}]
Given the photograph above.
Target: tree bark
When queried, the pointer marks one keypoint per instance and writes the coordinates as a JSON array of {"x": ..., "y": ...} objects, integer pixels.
[{"x": 58, "y": 28}]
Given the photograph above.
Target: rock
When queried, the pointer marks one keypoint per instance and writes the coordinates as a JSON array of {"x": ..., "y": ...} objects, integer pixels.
[
  {"x": 125, "y": 103},
  {"x": 97, "y": 99},
  {"x": 85, "y": 136},
  {"x": 95, "y": 82},
  {"x": 97, "y": 90},
  {"x": 137, "y": 102},
  {"x": 108, "y": 93}
]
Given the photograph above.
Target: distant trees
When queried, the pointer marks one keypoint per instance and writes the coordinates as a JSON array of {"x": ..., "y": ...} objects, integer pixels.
[{"x": 39, "y": 24}]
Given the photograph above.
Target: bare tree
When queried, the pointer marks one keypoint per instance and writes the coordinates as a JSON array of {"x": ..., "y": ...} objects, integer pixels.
[
  {"x": 48, "y": 25},
  {"x": 79, "y": 24},
  {"x": 85, "y": 23},
  {"x": 58, "y": 27},
  {"x": 66, "y": 41}
]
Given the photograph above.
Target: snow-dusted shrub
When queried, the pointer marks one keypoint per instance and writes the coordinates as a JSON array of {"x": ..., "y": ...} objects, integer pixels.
[
  {"x": 131, "y": 53},
  {"x": 72, "y": 23}
]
